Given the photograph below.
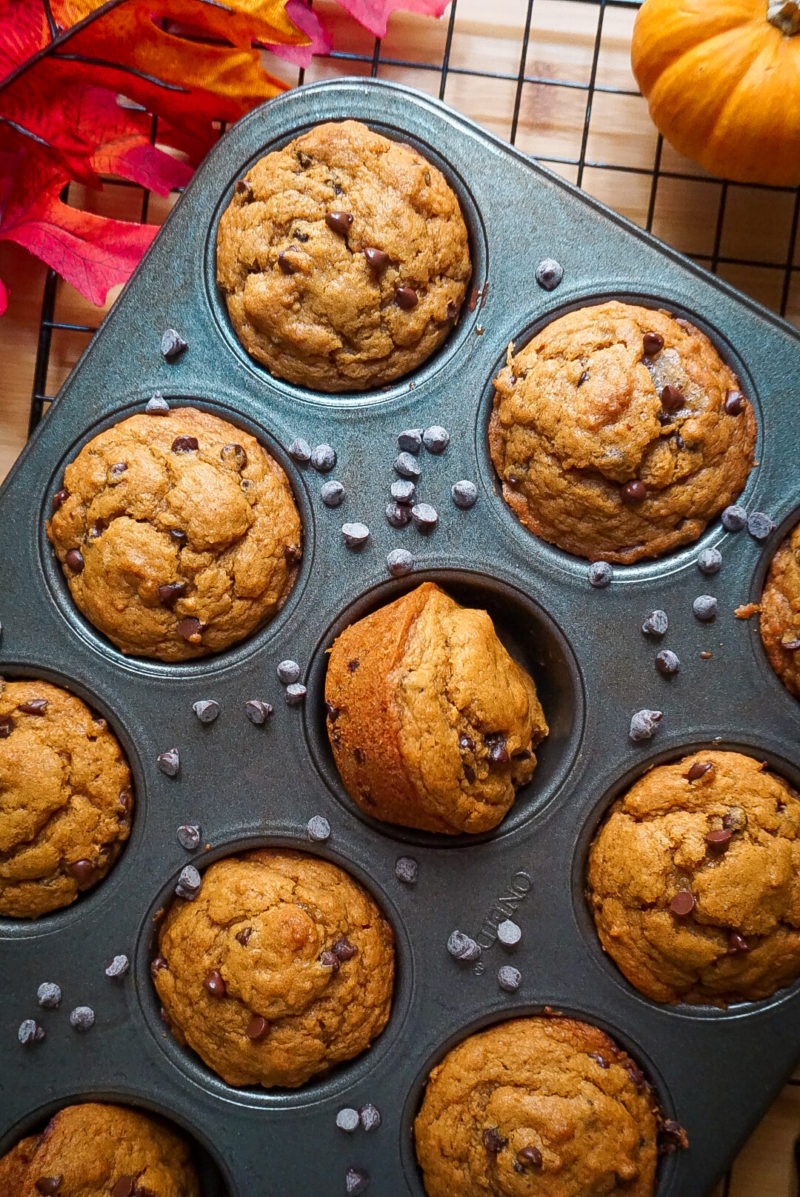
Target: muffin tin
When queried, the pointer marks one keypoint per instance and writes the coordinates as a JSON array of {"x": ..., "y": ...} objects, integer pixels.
[{"x": 714, "y": 1071}]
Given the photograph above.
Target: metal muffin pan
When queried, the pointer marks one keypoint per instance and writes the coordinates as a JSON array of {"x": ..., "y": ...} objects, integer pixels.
[{"x": 714, "y": 1071}]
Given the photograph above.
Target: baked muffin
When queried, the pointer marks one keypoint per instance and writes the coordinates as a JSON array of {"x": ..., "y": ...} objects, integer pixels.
[
  {"x": 282, "y": 967},
  {"x": 95, "y": 1149},
  {"x": 343, "y": 258},
  {"x": 178, "y": 534},
  {"x": 618, "y": 433},
  {"x": 694, "y": 881},
  {"x": 65, "y": 798},
  {"x": 780, "y": 612},
  {"x": 538, "y": 1106},
  {"x": 431, "y": 722}
]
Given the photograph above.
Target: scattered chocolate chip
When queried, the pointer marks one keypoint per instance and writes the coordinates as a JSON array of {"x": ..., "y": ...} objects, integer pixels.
[
  {"x": 398, "y": 515},
  {"x": 436, "y": 439},
  {"x": 403, "y": 490},
  {"x": 323, "y": 458},
  {"x": 672, "y": 398},
  {"x": 355, "y": 1181},
  {"x": 347, "y": 1120},
  {"x": 759, "y": 525},
  {"x": 644, "y": 725},
  {"x": 125, "y": 1187},
  {"x": 157, "y": 965},
  {"x": 399, "y": 562},
  {"x": 74, "y": 561},
  {"x": 6, "y": 726},
  {"x": 705, "y": 608},
  {"x": 257, "y": 1028},
  {"x": 30, "y": 1032},
  {"x": 243, "y": 189},
  {"x": 339, "y": 222},
  {"x": 424, "y": 517},
  {"x": 600, "y": 574},
  {"x": 709, "y": 562},
  {"x": 464, "y": 494},
  {"x": 406, "y": 870},
  {"x": 377, "y": 260},
  {"x": 117, "y": 967},
  {"x": 652, "y": 343},
  {"x": 410, "y": 441},
  {"x": 190, "y": 629},
  {"x": 81, "y": 1018},
  {"x": 257, "y": 711},
  {"x": 332, "y": 493},
  {"x": 509, "y": 978},
  {"x": 83, "y": 871},
  {"x": 734, "y": 519},
  {"x": 370, "y": 1117},
  {"x": 667, "y": 662},
  {"x": 734, "y": 403},
  {"x": 462, "y": 946},
  {"x": 719, "y": 840},
  {"x": 300, "y": 450},
  {"x": 285, "y": 263},
  {"x": 329, "y": 960},
  {"x": 243, "y": 936},
  {"x": 172, "y": 344},
  {"x": 170, "y": 592},
  {"x": 206, "y": 710},
  {"x": 288, "y": 671},
  {"x": 737, "y": 943},
  {"x": 215, "y": 984},
  {"x": 530, "y": 1157},
  {"x": 633, "y": 492},
  {"x": 59, "y": 498},
  {"x": 318, "y": 829},
  {"x": 493, "y": 1141},
  {"x": 156, "y": 405},
  {"x": 549, "y": 274},
  {"x": 406, "y": 298},
  {"x": 498, "y": 751},
  {"x": 188, "y": 836},
  {"x": 699, "y": 769},
  {"x": 683, "y": 903},
  {"x": 35, "y": 706},
  {"x": 509, "y": 933},
  {"x": 601, "y": 1061},
  {"x": 656, "y": 624},
  {"x": 169, "y": 762},
  {"x": 48, "y": 995},
  {"x": 671, "y": 1136},
  {"x": 185, "y": 444},
  {"x": 295, "y": 694},
  {"x": 48, "y": 1184},
  {"x": 234, "y": 455},
  {"x": 355, "y": 535},
  {"x": 189, "y": 883},
  {"x": 343, "y": 949},
  {"x": 407, "y": 466}
]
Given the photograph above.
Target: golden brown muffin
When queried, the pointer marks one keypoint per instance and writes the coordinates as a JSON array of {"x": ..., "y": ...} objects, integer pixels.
[
  {"x": 780, "y": 612},
  {"x": 65, "y": 798},
  {"x": 618, "y": 432},
  {"x": 95, "y": 1149},
  {"x": 546, "y": 1107},
  {"x": 343, "y": 258},
  {"x": 178, "y": 534},
  {"x": 282, "y": 967},
  {"x": 431, "y": 722},
  {"x": 694, "y": 881}
]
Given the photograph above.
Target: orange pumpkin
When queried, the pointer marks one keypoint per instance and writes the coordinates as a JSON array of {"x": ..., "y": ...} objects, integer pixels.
[{"x": 723, "y": 81}]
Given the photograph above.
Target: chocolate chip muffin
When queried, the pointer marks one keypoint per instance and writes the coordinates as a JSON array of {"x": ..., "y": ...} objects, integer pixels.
[
  {"x": 65, "y": 798},
  {"x": 282, "y": 967},
  {"x": 343, "y": 258},
  {"x": 538, "y": 1106},
  {"x": 431, "y": 722},
  {"x": 618, "y": 433},
  {"x": 780, "y": 612},
  {"x": 95, "y": 1150},
  {"x": 694, "y": 881},
  {"x": 178, "y": 534}
]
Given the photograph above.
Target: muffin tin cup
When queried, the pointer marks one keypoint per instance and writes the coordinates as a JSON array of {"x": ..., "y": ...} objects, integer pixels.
[{"x": 715, "y": 1071}]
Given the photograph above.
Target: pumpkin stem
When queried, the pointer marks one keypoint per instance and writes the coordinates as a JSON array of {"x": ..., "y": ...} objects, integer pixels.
[{"x": 784, "y": 15}]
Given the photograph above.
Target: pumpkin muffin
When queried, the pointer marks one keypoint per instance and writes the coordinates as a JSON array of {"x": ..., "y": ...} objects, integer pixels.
[
  {"x": 538, "y": 1106},
  {"x": 95, "y": 1150},
  {"x": 618, "y": 433},
  {"x": 178, "y": 534},
  {"x": 431, "y": 722},
  {"x": 343, "y": 258},
  {"x": 65, "y": 798},
  {"x": 694, "y": 881},
  {"x": 780, "y": 612},
  {"x": 282, "y": 967}
]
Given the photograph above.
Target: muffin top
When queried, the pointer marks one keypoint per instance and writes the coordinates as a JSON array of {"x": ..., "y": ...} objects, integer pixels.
[
  {"x": 343, "y": 258},
  {"x": 618, "y": 432},
  {"x": 94, "y": 1149},
  {"x": 281, "y": 967},
  {"x": 65, "y": 798},
  {"x": 431, "y": 722},
  {"x": 694, "y": 881},
  {"x": 546, "y": 1107},
  {"x": 178, "y": 534},
  {"x": 780, "y": 612}
]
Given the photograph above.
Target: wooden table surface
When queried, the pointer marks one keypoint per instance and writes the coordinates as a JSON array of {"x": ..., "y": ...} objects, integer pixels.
[{"x": 620, "y": 149}]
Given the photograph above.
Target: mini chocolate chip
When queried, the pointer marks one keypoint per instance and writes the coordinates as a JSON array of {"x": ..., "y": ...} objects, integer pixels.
[
  {"x": 399, "y": 562},
  {"x": 157, "y": 965},
  {"x": 244, "y": 190},
  {"x": 295, "y": 694},
  {"x": 403, "y": 490},
  {"x": 469, "y": 773},
  {"x": 498, "y": 752},
  {"x": 170, "y": 592},
  {"x": 600, "y": 574},
  {"x": 656, "y": 624},
  {"x": 436, "y": 439},
  {"x": 35, "y": 706},
  {"x": 406, "y": 298},
  {"x": 601, "y": 1061},
  {"x": 83, "y": 871},
  {"x": 719, "y": 840},
  {"x": 410, "y": 440},
  {"x": 664, "y": 418},
  {"x": 509, "y": 933},
  {"x": 329, "y": 960},
  {"x": 190, "y": 629},
  {"x": 304, "y": 159},
  {"x": 636, "y": 1075},
  {"x": 339, "y": 222},
  {"x": 709, "y": 562},
  {"x": 355, "y": 1181},
  {"x": 407, "y": 466},
  {"x": 451, "y": 311},
  {"x": 81, "y": 1018},
  {"x": 672, "y": 398},
  {"x": 652, "y": 343},
  {"x": 257, "y": 711},
  {"x": 464, "y": 494},
  {"x": 462, "y": 946},
  {"x": 406, "y": 870},
  {"x": 256, "y": 1028},
  {"x": 343, "y": 949},
  {"x": 125, "y": 1187},
  {"x": 705, "y": 608},
  {"x": 358, "y": 756},
  {"x": 370, "y": 1117},
  {"x": 234, "y": 455},
  {"x": 522, "y": 754},
  {"x": 172, "y": 344},
  {"x": 118, "y": 469},
  {"x": 424, "y": 517},
  {"x": 584, "y": 376},
  {"x": 377, "y": 260},
  {"x": 243, "y": 936},
  {"x": 331, "y": 712},
  {"x": 355, "y": 535},
  {"x": 6, "y": 726},
  {"x": 699, "y": 769},
  {"x": 493, "y": 1141},
  {"x": 323, "y": 458},
  {"x": 59, "y": 498},
  {"x": 185, "y": 444},
  {"x": 30, "y": 1032},
  {"x": 633, "y": 492},
  {"x": 734, "y": 519},
  {"x": 509, "y": 978},
  {"x": 398, "y": 515},
  {"x": 347, "y": 1120},
  {"x": 156, "y": 405},
  {"x": 790, "y": 646},
  {"x": 667, "y": 662},
  {"x": 549, "y": 274},
  {"x": 48, "y": 995},
  {"x": 671, "y": 1136},
  {"x": 215, "y": 984},
  {"x": 189, "y": 883},
  {"x": 117, "y": 967},
  {"x": 318, "y": 829},
  {"x": 759, "y": 525},
  {"x": 206, "y": 710},
  {"x": 300, "y": 450},
  {"x": 683, "y": 903},
  {"x": 530, "y": 1157},
  {"x": 178, "y": 535},
  {"x": 169, "y": 762},
  {"x": 737, "y": 943},
  {"x": 332, "y": 493},
  {"x": 734, "y": 403},
  {"x": 286, "y": 265},
  {"x": 188, "y": 836},
  {"x": 644, "y": 725},
  {"x": 48, "y": 1184},
  {"x": 74, "y": 560},
  {"x": 466, "y": 743}
]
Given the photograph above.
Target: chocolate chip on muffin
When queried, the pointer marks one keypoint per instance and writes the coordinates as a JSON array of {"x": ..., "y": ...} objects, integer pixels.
[
  {"x": 693, "y": 881},
  {"x": 436, "y": 724},
  {"x": 614, "y": 434},
  {"x": 537, "y": 1104},
  {"x": 345, "y": 262},
  {"x": 280, "y": 968},
  {"x": 190, "y": 548},
  {"x": 780, "y": 612},
  {"x": 65, "y": 798}
]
